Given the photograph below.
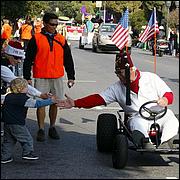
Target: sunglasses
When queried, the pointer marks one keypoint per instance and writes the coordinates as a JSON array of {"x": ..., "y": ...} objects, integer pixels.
[
  {"x": 52, "y": 24},
  {"x": 17, "y": 58},
  {"x": 120, "y": 73}
]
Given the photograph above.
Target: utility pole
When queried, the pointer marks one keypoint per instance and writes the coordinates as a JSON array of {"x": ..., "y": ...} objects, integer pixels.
[
  {"x": 99, "y": 5},
  {"x": 168, "y": 4},
  {"x": 104, "y": 11}
]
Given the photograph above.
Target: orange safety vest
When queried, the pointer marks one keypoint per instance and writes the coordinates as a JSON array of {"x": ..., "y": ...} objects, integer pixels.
[
  {"x": 26, "y": 31},
  {"x": 7, "y": 31},
  {"x": 48, "y": 64}
]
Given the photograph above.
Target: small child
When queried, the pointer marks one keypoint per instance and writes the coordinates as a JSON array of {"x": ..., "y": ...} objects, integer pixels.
[{"x": 14, "y": 112}]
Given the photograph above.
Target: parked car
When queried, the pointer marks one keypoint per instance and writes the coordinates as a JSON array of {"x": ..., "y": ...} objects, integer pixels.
[{"x": 102, "y": 38}]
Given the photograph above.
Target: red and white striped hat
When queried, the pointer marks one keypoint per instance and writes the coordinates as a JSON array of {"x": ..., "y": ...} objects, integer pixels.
[
  {"x": 15, "y": 48},
  {"x": 122, "y": 60}
]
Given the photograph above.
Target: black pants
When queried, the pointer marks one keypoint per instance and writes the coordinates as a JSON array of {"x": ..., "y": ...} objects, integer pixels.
[
  {"x": 2, "y": 42},
  {"x": 25, "y": 41}
]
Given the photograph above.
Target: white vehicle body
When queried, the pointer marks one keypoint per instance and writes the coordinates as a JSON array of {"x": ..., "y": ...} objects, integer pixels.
[
  {"x": 85, "y": 39},
  {"x": 101, "y": 40},
  {"x": 74, "y": 33}
]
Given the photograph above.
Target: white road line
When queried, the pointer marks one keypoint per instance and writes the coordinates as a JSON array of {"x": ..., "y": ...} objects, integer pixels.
[
  {"x": 107, "y": 108},
  {"x": 171, "y": 178},
  {"x": 100, "y": 108},
  {"x": 82, "y": 81}
]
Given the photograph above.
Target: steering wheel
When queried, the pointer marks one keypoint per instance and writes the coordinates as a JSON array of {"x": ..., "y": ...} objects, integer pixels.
[{"x": 152, "y": 113}]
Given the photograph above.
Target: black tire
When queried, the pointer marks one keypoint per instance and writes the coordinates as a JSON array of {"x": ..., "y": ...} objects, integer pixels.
[
  {"x": 98, "y": 50},
  {"x": 106, "y": 132},
  {"x": 160, "y": 53},
  {"x": 120, "y": 151},
  {"x": 93, "y": 48},
  {"x": 80, "y": 45}
]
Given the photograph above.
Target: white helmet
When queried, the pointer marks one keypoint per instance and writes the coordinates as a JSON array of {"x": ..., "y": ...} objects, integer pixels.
[{"x": 161, "y": 27}]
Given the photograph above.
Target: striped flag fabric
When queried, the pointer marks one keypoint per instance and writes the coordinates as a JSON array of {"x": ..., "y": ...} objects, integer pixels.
[
  {"x": 150, "y": 29},
  {"x": 121, "y": 33}
]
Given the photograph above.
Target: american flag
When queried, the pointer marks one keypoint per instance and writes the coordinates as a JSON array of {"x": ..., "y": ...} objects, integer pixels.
[
  {"x": 121, "y": 33},
  {"x": 150, "y": 29}
]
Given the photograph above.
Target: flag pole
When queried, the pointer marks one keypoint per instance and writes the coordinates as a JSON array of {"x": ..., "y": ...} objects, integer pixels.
[
  {"x": 127, "y": 72},
  {"x": 127, "y": 48},
  {"x": 155, "y": 41},
  {"x": 128, "y": 36}
]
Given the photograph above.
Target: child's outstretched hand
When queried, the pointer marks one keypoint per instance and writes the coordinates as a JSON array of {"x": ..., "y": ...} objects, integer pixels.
[{"x": 46, "y": 95}]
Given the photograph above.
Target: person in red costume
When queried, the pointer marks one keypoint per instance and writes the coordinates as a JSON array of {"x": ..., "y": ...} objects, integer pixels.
[{"x": 144, "y": 87}]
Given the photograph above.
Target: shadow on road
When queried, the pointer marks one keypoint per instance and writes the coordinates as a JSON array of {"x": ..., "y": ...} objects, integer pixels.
[{"x": 73, "y": 156}]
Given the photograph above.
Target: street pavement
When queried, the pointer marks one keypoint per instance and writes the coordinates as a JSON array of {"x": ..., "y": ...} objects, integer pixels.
[{"x": 75, "y": 155}]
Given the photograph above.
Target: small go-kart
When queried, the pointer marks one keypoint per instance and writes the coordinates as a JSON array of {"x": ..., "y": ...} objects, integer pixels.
[
  {"x": 115, "y": 137},
  {"x": 162, "y": 47}
]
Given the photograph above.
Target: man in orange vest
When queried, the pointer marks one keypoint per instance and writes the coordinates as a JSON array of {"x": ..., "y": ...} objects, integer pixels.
[
  {"x": 38, "y": 26},
  {"x": 6, "y": 31},
  {"x": 26, "y": 32},
  {"x": 48, "y": 54}
]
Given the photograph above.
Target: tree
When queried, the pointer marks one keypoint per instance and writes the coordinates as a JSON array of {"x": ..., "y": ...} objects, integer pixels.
[
  {"x": 139, "y": 11},
  {"x": 34, "y": 8},
  {"x": 136, "y": 14},
  {"x": 138, "y": 20},
  {"x": 173, "y": 18},
  {"x": 19, "y": 9},
  {"x": 12, "y": 9}
]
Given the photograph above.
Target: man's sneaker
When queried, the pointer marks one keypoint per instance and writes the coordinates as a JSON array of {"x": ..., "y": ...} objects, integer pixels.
[
  {"x": 137, "y": 138},
  {"x": 148, "y": 145},
  {"x": 40, "y": 135},
  {"x": 4, "y": 161},
  {"x": 171, "y": 143},
  {"x": 30, "y": 156},
  {"x": 53, "y": 133},
  {"x": 141, "y": 141},
  {"x": 163, "y": 146}
]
